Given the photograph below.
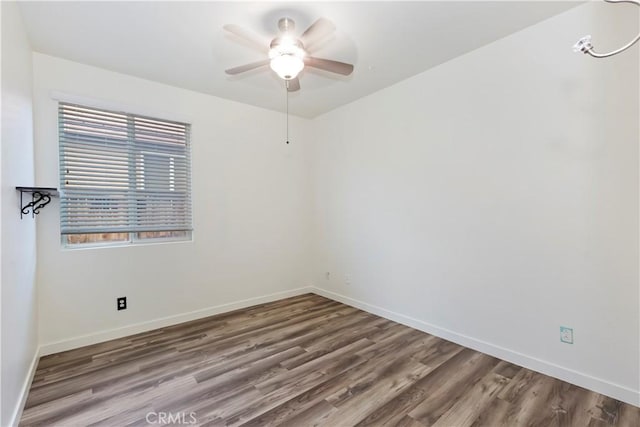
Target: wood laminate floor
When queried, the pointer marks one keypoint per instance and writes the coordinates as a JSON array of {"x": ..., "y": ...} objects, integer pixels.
[{"x": 299, "y": 362}]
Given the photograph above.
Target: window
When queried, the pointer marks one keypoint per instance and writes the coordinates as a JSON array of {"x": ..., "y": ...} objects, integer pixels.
[{"x": 124, "y": 178}]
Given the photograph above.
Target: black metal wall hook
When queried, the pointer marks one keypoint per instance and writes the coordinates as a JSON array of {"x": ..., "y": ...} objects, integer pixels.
[{"x": 40, "y": 197}]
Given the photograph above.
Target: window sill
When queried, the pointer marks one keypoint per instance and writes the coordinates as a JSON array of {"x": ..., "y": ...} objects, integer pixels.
[{"x": 124, "y": 244}]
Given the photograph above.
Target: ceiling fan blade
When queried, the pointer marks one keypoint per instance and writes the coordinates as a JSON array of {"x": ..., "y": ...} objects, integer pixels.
[
  {"x": 246, "y": 67},
  {"x": 329, "y": 65},
  {"x": 248, "y": 36},
  {"x": 319, "y": 29},
  {"x": 293, "y": 85}
]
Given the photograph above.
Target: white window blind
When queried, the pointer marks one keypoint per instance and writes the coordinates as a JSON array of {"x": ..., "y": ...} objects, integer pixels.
[{"x": 122, "y": 173}]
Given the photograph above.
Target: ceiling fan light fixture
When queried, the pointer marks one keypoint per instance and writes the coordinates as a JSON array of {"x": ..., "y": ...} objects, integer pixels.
[
  {"x": 287, "y": 65},
  {"x": 287, "y": 53}
]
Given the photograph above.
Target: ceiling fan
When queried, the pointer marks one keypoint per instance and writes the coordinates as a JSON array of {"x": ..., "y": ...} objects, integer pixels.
[{"x": 287, "y": 54}]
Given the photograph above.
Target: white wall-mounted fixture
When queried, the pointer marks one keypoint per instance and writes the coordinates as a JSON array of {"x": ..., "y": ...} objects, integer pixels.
[{"x": 584, "y": 44}]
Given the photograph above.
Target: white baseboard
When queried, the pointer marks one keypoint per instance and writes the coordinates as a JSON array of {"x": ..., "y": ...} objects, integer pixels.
[
  {"x": 24, "y": 390},
  {"x": 598, "y": 385},
  {"x": 589, "y": 382},
  {"x": 81, "y": 341}
]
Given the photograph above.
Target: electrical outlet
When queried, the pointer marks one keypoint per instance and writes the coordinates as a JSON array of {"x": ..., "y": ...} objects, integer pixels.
[
  {"x": 566, "y": 335},
  {"x": 327, "y": 275},
  {"x": 122, "y": 303},
  {"x": 347, "y": 279}
]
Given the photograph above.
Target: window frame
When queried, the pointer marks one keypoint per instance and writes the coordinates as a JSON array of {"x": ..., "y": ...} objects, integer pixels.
[
  {"x": 131, "y": 241},
  {"x": 134, "y": 179}
]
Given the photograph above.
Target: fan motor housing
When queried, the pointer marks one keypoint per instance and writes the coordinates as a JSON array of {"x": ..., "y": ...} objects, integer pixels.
[{"x": 286, "y": 43}]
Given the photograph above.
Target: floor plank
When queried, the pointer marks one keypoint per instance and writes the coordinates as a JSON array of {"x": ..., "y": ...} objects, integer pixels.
[{"x": 303, "y": 361}]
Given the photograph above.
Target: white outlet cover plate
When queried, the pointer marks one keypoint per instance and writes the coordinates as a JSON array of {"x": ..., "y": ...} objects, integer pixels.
[{"x": 566, "y": 335}]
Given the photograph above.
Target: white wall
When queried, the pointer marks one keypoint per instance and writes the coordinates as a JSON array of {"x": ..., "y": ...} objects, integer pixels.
[
  {"x": 495, "y": 198},
  {"x": 18, "y": 248},
  {"x": 489, "y": 200},
  {"x": 251, "y": 212}
]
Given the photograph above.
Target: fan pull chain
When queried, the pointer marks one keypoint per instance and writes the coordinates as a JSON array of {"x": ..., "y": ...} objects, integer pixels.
[{"x": 286, "y": 88}]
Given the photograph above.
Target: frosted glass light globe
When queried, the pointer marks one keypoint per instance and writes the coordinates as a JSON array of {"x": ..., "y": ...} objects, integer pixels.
[{"x": 287, "y": 66}]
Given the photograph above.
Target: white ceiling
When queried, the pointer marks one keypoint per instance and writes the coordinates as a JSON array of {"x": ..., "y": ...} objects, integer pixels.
[{"x": 183, "y": 43}]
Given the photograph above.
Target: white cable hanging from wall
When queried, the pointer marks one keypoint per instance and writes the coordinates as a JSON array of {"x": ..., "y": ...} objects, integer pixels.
[{"x": 584, "y": 44}]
